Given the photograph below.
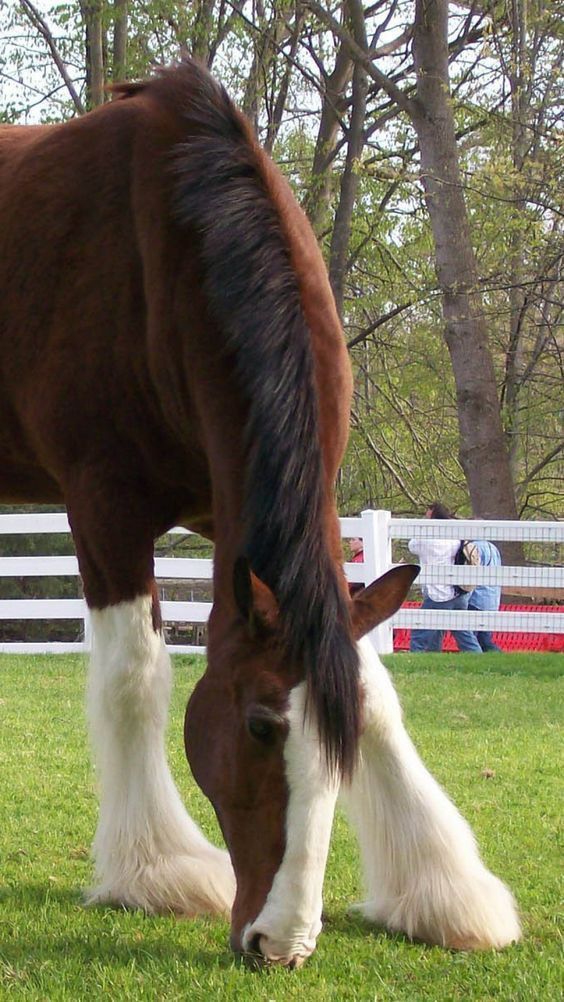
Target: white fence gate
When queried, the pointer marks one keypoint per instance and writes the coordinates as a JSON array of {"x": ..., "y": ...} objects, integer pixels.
[{"x": 378, "y": 529}]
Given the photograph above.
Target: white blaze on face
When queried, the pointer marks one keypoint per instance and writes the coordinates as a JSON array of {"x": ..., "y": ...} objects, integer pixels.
[{"x": 290, "y": 920}]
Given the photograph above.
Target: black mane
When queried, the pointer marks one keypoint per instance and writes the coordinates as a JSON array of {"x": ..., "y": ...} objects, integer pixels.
[{"x": 253, "y": 295}]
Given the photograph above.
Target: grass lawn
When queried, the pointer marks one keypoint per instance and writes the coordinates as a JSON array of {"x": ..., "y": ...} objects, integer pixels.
[{"x": 488, "y": 729}]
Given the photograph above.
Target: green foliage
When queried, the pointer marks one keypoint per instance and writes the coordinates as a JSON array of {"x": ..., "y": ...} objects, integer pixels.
[{"x": 487, "y": 728}]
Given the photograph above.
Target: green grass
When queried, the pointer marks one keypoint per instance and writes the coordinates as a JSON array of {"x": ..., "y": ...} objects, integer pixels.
[{"x": 498, "y": 713}]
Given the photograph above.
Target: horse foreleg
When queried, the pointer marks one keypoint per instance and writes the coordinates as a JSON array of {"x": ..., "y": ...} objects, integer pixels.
[
  {"x": 423, "y": 872},
  {"x": 148, "y": 851}
]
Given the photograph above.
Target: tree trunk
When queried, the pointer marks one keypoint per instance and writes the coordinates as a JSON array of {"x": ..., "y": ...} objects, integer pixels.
[
  {"x": 279, "y": 105},
  {"x": 516, "y": 360},
  {"x": 349, "y": 180},
  {"x": 317, "y": 201},
  {"x": 92, "y": 17},
  {"x": 267, "y": 45},
  {"x": 483, "y": 449},
  {"x": 120, "y": 40},
  {"x": 202, "y": 30}
]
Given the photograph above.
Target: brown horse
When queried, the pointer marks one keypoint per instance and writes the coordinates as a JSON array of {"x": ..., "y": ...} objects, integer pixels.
[{"x": 170, "y": 354}]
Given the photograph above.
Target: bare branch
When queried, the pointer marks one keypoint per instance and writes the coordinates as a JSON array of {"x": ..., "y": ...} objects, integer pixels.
[
  {"x": 364, "y": 57},
  {"x": 541, "y": 464},
  {"x": 42, "y": 27},
  {"x": 378, "y": 323},
  {"x": 358, "y": 423}
]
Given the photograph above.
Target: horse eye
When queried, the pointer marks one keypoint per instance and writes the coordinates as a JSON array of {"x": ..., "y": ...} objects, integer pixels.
[{"x": 261, "y": 729}]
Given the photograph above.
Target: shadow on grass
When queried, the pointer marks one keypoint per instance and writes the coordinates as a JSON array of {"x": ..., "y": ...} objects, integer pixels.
[
  {"x": 96, "y": 941},
  {"x": 541, "y": 666},
  {"x": 21, "y": 895},
  {"x": 104, "y": 952},
  {"x": 103, "y": 945},
  {"x": 354, "y": 926}
]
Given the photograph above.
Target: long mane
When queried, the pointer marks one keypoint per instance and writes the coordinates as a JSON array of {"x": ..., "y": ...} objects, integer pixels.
[{"x": 253, "y": 295}]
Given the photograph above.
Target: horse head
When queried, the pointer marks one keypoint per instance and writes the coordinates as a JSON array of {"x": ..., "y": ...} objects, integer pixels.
[{"x": 266, "y": 770}]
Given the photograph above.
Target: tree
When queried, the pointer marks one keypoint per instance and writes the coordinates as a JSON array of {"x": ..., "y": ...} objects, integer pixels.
[
  {"x": 532, "y": 66},
  {"x": 483, "y": 449},
  {"x": 455, "y": 353}
]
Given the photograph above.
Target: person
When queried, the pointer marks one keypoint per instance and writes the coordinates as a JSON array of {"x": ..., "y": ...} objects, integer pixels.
[
  {"x": 431, "y": 550},
  {"x": 486, "y": 598},
  {"x": 356, "y": 547}
]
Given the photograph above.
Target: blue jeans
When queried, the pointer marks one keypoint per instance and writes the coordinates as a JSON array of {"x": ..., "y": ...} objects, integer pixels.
[
  {"x": 486, "y": 642},
  {"x": 432, "y": 640},
  {"x": 485, "y": 600}
]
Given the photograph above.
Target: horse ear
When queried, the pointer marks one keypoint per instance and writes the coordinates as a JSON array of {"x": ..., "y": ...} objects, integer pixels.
[
  {"x": 381, "y": 599},
  {"x": 254, "y": 599}
]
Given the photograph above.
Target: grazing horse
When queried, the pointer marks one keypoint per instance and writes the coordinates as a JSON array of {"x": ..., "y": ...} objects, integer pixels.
[{"x": 170, "y": 354}]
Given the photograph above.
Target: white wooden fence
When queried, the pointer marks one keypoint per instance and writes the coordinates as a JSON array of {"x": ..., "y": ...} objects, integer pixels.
[{"x": 378, "y": 529}]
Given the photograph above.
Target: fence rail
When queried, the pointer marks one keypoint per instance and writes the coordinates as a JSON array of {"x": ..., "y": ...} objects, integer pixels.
[{"x": 378, "y": 530}]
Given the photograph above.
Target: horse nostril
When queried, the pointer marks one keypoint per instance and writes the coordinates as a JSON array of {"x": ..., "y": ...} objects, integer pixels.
[
  {"x": 254, "y": 945},
  {"x": 256, "y": 954},
  {"x": 253, "y": 956}
]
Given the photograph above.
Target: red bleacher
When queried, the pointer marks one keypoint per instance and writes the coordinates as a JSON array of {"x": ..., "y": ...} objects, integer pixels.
[{"x": 546, "y": 642}]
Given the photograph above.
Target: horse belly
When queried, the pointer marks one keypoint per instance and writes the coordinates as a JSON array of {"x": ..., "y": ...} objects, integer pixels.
[
  {"x": 21, "y": 484},
  {"x": 22, "y": 478}
]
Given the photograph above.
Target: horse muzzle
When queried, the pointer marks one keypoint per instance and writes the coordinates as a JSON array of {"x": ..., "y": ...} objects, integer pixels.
[{"x": 261, "y": 950}]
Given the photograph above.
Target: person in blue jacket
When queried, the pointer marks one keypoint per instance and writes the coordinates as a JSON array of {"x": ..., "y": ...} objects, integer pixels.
[{"x": 486, "y": 598}]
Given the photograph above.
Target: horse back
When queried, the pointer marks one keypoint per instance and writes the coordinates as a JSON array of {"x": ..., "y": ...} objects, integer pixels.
[
  {"x": 108, "y": 347},
  {"x": 75, "y": 374}
]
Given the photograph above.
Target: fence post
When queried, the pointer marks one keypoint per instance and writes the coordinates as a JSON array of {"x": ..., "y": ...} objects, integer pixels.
[{"x": 378, "y": 560}]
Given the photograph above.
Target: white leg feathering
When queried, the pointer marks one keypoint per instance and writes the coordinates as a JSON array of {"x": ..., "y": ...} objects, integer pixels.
[
  {"x": 423, "y": 872},
  {"x": 148, "y": 852}
]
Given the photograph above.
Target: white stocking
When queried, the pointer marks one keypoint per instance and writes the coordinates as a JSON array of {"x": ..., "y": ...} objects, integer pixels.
[
  {"x": 148, "y": 851},
  {"x": 423, "y": 873}
]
